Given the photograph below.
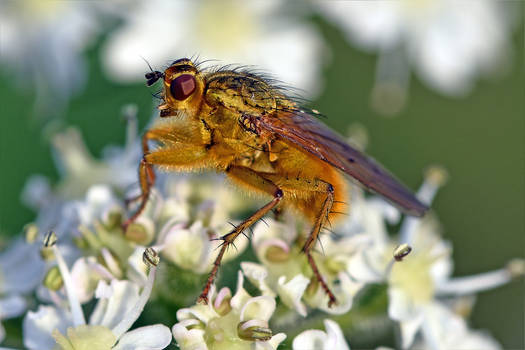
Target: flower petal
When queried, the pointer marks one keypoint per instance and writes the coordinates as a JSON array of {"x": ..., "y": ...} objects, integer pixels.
[
  {"x": 271, "y": 344},
  {"x": 189, "y": 249},
  {"x": 192, "y": 339},
  {"x": 85, "y": 337},
  {"x": 12, "y": 306},
  {"x": 149, "y": 337},
  {"x": 259, "y": 308},
  {"x": 336, "y": 339},
  {"x": 38, "y": 326},
  {"x": 21, "y": 267},
  {"x": 110, "y": 310},
  {"x": 314, "y": 339},
  {"x": 257, "y": 274},
  {"x": 292, "y": 291},
  {"x": 309, "y": 340}
]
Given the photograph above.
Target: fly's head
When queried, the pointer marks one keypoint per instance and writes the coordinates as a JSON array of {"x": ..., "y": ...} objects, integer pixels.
[{"x": 183, "y": 88}]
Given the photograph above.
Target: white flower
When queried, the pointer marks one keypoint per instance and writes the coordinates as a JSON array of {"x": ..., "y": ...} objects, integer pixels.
[
  {"x": 191, "y": 215},
  {"x": 194, "y": 249},
  {"x": 118, "y": 308},
  {"x": 416, "y": 282},
  {"x": 443, "y": 330},
  {"x": 10, "y": 306},
  {"x": 43, "y": 41},
  {"x": 80, "y": 170},
  {"x": 88, "y": 271},
  {"x": 21, "y": 270},
  {"x": 115, "y": 172},
  {"x": 285, "y": 270},
  {"x": 313, "y": 339},
  {"x": 448, "y": 42},
  {"x": 226, "y": 322},
  {"x": 235, "y": 31}
]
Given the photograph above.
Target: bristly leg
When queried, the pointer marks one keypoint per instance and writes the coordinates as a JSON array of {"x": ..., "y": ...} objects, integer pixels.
[
  {"x": 230, "y": 238},
  {"x": 321, "y": 219},
  {"x": 332, "y": 299},
  {"x": 146, "y": 180}
]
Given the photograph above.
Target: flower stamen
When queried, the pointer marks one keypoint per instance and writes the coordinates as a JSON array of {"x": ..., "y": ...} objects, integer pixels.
[{"x": 50, "y": 240}]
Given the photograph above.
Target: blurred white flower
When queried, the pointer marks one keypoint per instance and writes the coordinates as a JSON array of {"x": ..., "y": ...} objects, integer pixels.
[
  {"x": 119, "y": 306},
  {"x": 314, "y": 339},
  {"x": 189, "y": 235},
  {"x": 195, "y": 248},
  {"x": 88, "y": 271},
  {"x": 444, "y": 330},
  {"x": 42, "y": 42},
  {"x": 226, "y": 322},
  {"x": 284, "y": 269},
  {"x": 418, "y": 283},
  {"x": 448, "y": 43},
  {"x": 21, "y": 267},
  {"x": 74, "y": 200},
  {"x": 10, "y": 306},
  {"x": 79, "y": 170},
  {"x": 21, "y": 270},
  {"x": 241, "y": 32}
]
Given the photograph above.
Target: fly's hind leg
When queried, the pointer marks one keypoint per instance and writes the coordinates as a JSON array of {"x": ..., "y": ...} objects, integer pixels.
[
  {"x": 320, "y": 220},
  {"x": 251, "y": 179},
  {"x": 325, "y": 192}
]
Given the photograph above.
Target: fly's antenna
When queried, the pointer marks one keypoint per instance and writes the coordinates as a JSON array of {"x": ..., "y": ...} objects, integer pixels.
[{"x": 153, "y": 75}]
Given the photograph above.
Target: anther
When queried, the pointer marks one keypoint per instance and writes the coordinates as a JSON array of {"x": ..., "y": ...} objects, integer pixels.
[
  {"x": 50, "y": 239},
  {"x": 254, "y": 330},
  {"x": 150, "y": 257},
  {"x": 401, "y": 251}
]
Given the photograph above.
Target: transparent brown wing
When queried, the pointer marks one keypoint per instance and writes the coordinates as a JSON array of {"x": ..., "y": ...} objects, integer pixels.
[{"x": 314, "y": 137}]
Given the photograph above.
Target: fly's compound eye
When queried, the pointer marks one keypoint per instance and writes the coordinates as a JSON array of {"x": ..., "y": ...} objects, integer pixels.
[{"x": 183, "y": 86}]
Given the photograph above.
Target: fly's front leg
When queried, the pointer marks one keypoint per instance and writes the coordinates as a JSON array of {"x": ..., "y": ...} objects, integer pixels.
[
  {"x": 172, "y": 155},
  {"x": 146, "y": 181},
  {"x": 251, "y": 179}
]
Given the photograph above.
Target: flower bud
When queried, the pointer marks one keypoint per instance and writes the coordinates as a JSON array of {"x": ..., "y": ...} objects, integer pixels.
[
  {"x": 53, "y": 279},
  {"x": 436, "y": 175},
  {"x": 516, "y": 267},
  {"x": 222, "y": 301},
  {"x": 80, "y": 242},
  {"x": 277, "y": 254},
  {"x": 113, "y": 219},
  {"x": 31, "y": 232},
  {"x": 140, "y": 231}
]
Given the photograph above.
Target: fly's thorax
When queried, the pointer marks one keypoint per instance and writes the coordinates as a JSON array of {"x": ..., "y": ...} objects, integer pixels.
[
  {"x": 183, "y": 89},
  {"x": 241, "y": 92}
]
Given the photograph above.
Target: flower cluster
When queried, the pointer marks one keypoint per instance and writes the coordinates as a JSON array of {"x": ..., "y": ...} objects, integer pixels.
[{"x": 88, "y": 262}]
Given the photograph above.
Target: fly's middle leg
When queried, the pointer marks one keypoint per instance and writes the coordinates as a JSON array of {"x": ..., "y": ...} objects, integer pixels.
[{"x": 247, "y": 178}]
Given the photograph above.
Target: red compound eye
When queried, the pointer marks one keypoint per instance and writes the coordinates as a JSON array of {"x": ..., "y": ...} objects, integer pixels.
[{"x": 182, "y": 86}]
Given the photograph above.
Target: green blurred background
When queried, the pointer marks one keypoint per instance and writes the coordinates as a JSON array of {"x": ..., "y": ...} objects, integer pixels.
[{"x": 479, "y": 139}]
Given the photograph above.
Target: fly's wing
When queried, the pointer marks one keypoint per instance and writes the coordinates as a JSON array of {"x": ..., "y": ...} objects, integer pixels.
[{"x": 306, "y": 132}]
